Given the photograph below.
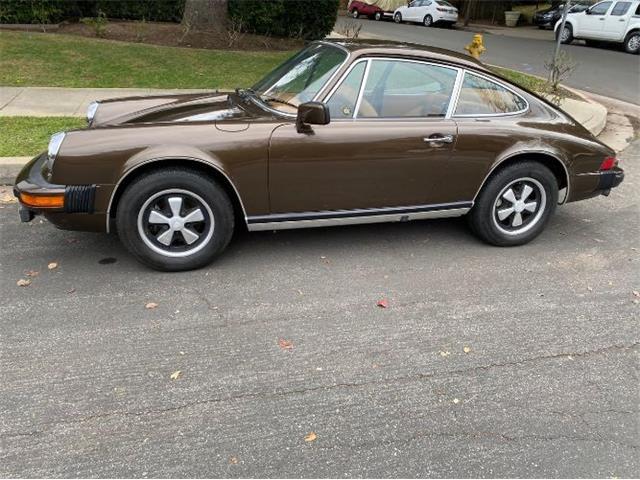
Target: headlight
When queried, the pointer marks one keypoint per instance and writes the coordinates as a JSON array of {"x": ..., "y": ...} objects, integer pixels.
[
  {"x": 54, "y": 146},
  {"x": 91, "y": 111}
]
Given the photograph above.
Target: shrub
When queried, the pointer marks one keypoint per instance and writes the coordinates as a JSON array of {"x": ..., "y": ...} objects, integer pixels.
[
  {"x": 285, "y": 18},
  {"x": 54, "y": 11}
]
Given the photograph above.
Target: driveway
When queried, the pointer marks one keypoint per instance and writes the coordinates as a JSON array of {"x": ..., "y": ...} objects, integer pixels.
[
  {"x": 606, "y": 71},
  {"x": 487, "y": 362}
]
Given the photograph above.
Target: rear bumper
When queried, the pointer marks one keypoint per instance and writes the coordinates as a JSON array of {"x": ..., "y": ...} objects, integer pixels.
[
  {"x": 589, "y": 185},
  {"x": 610, "y": 179}
]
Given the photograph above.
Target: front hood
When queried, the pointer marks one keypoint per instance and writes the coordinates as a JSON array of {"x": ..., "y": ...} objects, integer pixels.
[{"x": 190, "y": 107}]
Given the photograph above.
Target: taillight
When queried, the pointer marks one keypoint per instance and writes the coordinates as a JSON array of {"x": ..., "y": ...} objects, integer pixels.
[
  {"x": 608, "y": 163},
  {"x": 441, "y": 9}
]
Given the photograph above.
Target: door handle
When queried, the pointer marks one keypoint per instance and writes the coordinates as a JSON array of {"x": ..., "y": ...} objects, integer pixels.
[
  {"x": 438, "y": 139},
  {"x": 601, "y": 19}
]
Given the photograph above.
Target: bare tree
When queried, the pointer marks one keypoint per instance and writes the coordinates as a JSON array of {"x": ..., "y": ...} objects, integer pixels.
[{"x": 206, "y": 15}]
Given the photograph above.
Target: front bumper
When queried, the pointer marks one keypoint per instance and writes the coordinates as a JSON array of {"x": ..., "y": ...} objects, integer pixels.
[{"x": 38, "y": 196}]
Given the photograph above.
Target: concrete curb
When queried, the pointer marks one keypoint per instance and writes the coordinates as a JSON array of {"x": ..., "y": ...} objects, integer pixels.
[{"x": 10, "y": 167}]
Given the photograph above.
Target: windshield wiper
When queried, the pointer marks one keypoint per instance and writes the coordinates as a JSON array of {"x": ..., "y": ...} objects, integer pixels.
[
  {"x": 279, "y": 100},
  {"x": 245, "y": 92}
]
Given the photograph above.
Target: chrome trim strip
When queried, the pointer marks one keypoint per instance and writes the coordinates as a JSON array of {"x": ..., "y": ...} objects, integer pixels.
[
  {"x": 160, "y": 159},
  {"x": 384, "y": 218},
  {"x": 490, "y": 115},
  {"x": 363, "y": 84},
  {"x": 522, "y": 152},
  {"x": 453, "y": 101}
]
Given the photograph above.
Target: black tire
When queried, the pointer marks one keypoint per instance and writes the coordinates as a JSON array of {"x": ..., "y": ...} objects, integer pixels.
[
  {"x": 378, "y": 16},
  {"x": 355, "y": 13},
  {"x": 397, "y": 17},
  {"x": 632, "y": 43},
  {"x": 427, "y": 21},
  {"x": 569, "y": 37},
  {"x": 197, "y": 192},
  {"x": 485, "y": 218}
]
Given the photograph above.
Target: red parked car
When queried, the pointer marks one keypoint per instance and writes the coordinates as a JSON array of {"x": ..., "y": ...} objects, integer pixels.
[{"x": 357, "y": 8}]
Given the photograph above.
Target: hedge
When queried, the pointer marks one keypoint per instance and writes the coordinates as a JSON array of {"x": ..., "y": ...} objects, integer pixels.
[
  {"x": 54, "y": 11},
  {"x": 310, "y": 20}
]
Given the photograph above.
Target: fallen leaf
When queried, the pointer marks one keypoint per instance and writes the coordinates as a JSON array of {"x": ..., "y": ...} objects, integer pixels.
[
  {"x": 466, "y": 349},
  {"x": 636, "y": 293},
  {"x": 456, "y": 401},
  {"x": 590, "y": 289},
  {"x": 310, "y": 437},
  {"x": 175, "y": 375},
  {"x": 233, "y": 460},
  {"x": 71, "y": 290},
  {"x": 23, "y": 283},
  {"x": 444, "y": 353},
  {"x": 150, "y": 306},
  {"x": 32, "y": 273},
  {"x": 52, "y": 265},
  {"x": 181, "y": 352},
  {"x": 383, "y": 303},
  {"x": 285, "y": 344}
]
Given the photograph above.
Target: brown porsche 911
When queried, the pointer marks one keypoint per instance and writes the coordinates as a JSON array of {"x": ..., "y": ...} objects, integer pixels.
[{"x": 341, "y": 133}]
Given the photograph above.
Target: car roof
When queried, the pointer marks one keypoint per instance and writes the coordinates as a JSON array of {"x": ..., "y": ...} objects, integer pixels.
[{"x": 390, "y": 47}]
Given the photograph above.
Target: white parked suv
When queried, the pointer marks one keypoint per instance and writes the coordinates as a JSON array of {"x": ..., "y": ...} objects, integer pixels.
[
  {"x": 610, "y": 21},
  {"x": 427, "y": 12}
]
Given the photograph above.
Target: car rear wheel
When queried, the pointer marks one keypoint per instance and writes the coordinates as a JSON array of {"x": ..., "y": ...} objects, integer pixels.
[
  {"x": 515, "y": 204},
  {"x": 378, "y": 16},
  {"x": 632, "y": 43},
  {"x": 427, "y": 21},
  {"x": 397, "y": 17},
  {"x": 566, "y": 34},
  {"x": 175, "y": 219}
]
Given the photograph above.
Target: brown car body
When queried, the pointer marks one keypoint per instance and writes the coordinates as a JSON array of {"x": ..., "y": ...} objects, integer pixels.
[{"x": 278, "y": 177}]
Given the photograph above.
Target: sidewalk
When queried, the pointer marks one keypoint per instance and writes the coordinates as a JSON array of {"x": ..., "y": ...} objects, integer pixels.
[
  {"x": 53, "y": 101},
  {"x": 527, "y": 31},
  {"x": 64, "y": 102}
]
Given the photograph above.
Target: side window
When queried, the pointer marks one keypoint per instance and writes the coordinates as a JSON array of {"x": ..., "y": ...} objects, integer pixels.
[
  {"x": 600, "y": 8},
  {"x": 342, "y": 103},
  {"x": 638, "y": 10},
  {"x": 479, "y": 96},
  {"x": 406, "y": 89},
  {"x": 621, "y": 8}
]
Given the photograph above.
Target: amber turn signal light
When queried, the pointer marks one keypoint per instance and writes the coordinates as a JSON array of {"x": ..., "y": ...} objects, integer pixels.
[{"x": 43, "y": 201}]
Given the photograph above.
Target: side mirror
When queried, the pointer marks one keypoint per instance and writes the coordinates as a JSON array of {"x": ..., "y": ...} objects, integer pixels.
[
  {"x": 587, "y": 11},
  {"x": 312, "y": 113}
]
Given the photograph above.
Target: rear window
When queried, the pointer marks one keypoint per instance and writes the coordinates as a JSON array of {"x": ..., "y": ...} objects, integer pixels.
[
  {"x": 621, "y": 8},
  {"x": 442, "y": 3}
]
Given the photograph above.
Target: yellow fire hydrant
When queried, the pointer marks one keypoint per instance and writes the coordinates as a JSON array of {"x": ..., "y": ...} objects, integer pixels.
[{"x": 476, "y": 47}]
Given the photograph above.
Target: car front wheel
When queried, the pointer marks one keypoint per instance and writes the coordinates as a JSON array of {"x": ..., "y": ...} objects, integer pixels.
[
  {"x": 397, "y": 17},
  {"x": 378, "y": 16},
  {"x": 515, "y": 204},
  {"x": 566, "y": 34},
  {"x": 355, "y": 13},
  {"x": 175, "y": 219},
  {"x": 632, "y": 43},
  {"x": 427, "y": 21}
]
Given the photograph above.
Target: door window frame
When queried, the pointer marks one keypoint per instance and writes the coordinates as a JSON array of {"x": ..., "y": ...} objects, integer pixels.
[
  {"x": 453, "y": 103},
  {"x": 453, "y": 97}
]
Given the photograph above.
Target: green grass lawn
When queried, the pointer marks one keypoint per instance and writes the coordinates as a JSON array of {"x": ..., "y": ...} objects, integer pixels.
[
  {"x": 23, "y": 136},
  {"x": 38, "y": 59}
]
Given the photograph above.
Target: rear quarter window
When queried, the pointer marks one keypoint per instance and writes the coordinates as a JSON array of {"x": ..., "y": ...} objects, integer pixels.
[{"x": 481, "y": 96}]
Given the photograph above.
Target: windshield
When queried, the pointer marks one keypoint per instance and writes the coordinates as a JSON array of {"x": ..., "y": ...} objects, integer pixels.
[{"x": 300, "y": 78}]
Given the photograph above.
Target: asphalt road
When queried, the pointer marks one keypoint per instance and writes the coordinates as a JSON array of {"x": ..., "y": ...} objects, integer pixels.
[
  {"x": 606, "y": 71},
  {"x": 548, "y": 388}
]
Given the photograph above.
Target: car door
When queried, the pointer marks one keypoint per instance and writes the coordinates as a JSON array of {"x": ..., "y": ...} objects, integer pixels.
[
  {"x": 388, "y": 144},
  {"x": 413, "y": 12},
  {"x": 592, "y": 23},
  {"x": 615, "y": 23}
]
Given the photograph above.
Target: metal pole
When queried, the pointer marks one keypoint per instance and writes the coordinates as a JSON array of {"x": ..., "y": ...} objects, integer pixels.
[{"x": 567, "y": 7}]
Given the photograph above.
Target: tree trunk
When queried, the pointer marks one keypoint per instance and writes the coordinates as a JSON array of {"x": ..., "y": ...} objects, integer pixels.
[
  {"x": 467, "y": 12},
  {"x": 206, "y": 15}
]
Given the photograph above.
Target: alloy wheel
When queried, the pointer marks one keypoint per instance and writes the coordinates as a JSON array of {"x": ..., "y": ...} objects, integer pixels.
[
  {"x": 397, "y": 18},
  {"x": 566, "y": 34},
  {"x": 633, "y": 45},
  {"x": 428, "y": 20},
  {"x": 175, "y": 223},
  {"x": 519, "y": 206}
]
